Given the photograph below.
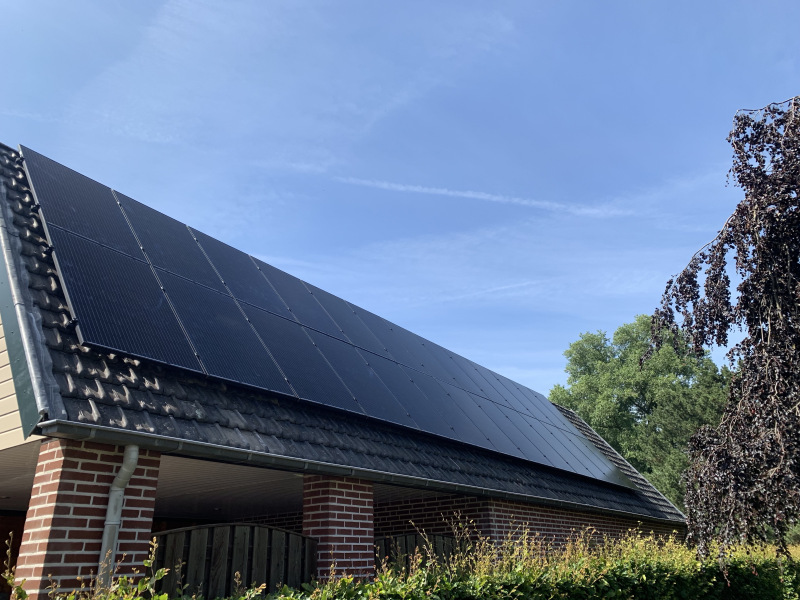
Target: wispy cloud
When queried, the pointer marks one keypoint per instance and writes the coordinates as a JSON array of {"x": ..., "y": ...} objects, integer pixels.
[
  {"x": 583, "y": 210},
  {"x": 31, "y": 116}
]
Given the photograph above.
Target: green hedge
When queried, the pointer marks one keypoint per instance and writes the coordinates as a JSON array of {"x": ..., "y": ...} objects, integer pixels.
[
  {"x": 588, "y": 568},
  {"x": 639, "y": 567}
]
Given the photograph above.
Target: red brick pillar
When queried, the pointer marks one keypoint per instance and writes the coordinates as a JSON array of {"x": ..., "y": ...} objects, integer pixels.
[
  {"x": 337, "y": 512},
  {"x": 64, "y": 525}
]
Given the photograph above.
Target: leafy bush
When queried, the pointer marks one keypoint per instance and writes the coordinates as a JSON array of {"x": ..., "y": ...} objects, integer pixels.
[{"x": 525, "y": 567}]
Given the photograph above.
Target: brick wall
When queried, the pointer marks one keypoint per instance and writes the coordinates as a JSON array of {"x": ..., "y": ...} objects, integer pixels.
[
  {"x": 290, "y": 521},
  {"x": 64, "y": 524},
  {"x": 498, "y": 519},
  {"x": 505, "y": 518},
  {"x": 338, "y": 513},
  {"x": 434, "y": 515}
]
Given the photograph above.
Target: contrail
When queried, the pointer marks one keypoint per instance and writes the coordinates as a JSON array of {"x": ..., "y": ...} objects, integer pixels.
[{"x": 577, "y": 209}]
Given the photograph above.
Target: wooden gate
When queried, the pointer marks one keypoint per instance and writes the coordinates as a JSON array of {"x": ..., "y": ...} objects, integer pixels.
[{"x": 204, "y": 560}]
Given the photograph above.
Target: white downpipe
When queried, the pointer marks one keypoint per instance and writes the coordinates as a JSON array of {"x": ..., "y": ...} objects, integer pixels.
[{"x": 116, "y": 498}]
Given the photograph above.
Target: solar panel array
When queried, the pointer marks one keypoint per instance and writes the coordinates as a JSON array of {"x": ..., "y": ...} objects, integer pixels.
[{"x": 142, "y": 283}]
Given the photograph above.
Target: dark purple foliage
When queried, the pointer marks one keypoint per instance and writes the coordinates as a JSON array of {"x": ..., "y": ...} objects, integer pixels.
[{"x": 743, "y": 481}]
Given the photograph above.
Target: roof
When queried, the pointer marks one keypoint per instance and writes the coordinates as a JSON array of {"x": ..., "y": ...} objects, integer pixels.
[{"x": 81, "y": 392}]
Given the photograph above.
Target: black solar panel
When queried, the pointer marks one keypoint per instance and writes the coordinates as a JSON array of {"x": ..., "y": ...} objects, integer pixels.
[
  {"x": 461, "y": 428},
  {"x": 300, "y": 300},
  {"x": 227, "y": 345},
  {"x": 311, "y": 376},
  {"x": 348, "y": 321},
  {"x": 67, "y": 197},
  {"x": 241, "y": 275},
  {"x": 374, "y": 398},
  {"x": 169, "y": 244},
  {"x": 118, "y": 302},
  {"x": 141, "y": 283}
]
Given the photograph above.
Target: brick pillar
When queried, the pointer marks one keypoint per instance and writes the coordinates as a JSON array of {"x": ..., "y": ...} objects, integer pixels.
[
  {"x": 64, "y": 524},
  {"x": 337, "y": 512}
]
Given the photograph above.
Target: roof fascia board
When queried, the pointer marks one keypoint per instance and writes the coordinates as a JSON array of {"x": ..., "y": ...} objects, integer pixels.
[
  {"x": 37, "y": 392},
  {"x": 192, "y": 449}
]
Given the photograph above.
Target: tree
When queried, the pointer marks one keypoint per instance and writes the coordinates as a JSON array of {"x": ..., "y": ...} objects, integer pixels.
[
  {"x": 646, "y": 412},
  {"x": 743, "y": 482}
]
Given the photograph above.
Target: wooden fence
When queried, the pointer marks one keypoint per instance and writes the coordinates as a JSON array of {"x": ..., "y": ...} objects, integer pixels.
[
  {"x": 398, "y": 549},
  {"x": 204, "y": 560}
]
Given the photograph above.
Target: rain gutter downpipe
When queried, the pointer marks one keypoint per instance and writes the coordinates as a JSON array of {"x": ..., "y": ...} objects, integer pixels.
[{"x": 116, "y": 498}]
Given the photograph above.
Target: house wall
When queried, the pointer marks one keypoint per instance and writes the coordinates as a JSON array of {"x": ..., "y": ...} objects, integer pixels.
[
  {"x": 433, "y": 515},
  {"x": 506, "y": 519},
  {"x": 290, "y": 521},
  {"x": 10, "y": 424},
  {"x": 500, "y": 519}
]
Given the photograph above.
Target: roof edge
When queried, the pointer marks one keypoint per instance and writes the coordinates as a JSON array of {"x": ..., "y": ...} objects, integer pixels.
[
  {"x": 609, "y": 448},
  {"x": 204, "y": 450},
  {"x": 32, "y": 366}
]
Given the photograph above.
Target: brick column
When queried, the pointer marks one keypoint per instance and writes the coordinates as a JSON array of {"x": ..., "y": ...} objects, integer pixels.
[
  {"x": 64, "y": 524},
  {"x": 337, "y": 512}
]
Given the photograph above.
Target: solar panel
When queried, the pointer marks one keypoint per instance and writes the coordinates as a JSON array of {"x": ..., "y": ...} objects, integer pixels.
[
  {"x": 142, "y": 283},
  {"x": 371, "y": 394},
  {"x": 67, "y": 197},
  {"x": 482, "y": 412},
  {"x": 241, "y": 275},
  {"x": 461, "y": 427},
  {"x": 169, "y": 244},
  {"x": 348, "y": 321},
  {"x": 300, "y": 300},
  {"x": 131, "y": 314},
  {"x": 227, "y": 346},
  {"x": 308, "y": 372},
  {"x": 415, "y": 402}
]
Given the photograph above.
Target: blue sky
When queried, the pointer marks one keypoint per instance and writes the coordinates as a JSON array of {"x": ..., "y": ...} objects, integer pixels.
[{"x": 495, "y": 176}]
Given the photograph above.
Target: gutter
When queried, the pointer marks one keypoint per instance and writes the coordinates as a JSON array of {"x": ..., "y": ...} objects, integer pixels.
[
  {"x": 193, "y": 449},
  {"x": 116, "y": 498}
]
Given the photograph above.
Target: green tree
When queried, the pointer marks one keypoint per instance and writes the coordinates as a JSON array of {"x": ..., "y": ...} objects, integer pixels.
[{"x": 646, "y": 411}]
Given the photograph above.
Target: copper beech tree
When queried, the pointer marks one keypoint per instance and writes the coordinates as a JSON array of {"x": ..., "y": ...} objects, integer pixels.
[{"x": 743, "y": 482}]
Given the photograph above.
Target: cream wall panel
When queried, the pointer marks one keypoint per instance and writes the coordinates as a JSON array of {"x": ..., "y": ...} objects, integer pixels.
[
  {"x": 7, "y": 389},
  {"x": 10, "y": 425},
  {"x": 10, "y": 421},
  {"x": 12, "y": 438},
  {"x": 8, "y": 405}
]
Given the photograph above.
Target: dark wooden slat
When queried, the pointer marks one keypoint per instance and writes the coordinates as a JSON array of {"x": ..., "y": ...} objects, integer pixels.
[
  {"x": 438, "y": 546},
  {"x": 310, "y": 559},
  {"x": 259, "y": 565},
  {"x": 219, "y": 562},
  {"x": 196, "y": 563},
  {"x": 380, "y": 550},
  {"x": 173, "y": 562},
  {"x": 294, "y": 565},
  {"x": 241, "y": 548},
  {"x": 277, "y": 560},
  {"x": 412, "y": 543}
]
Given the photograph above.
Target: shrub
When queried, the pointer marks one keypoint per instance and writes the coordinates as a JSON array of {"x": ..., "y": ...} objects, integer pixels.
[{"x": 523, "y": 566}]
